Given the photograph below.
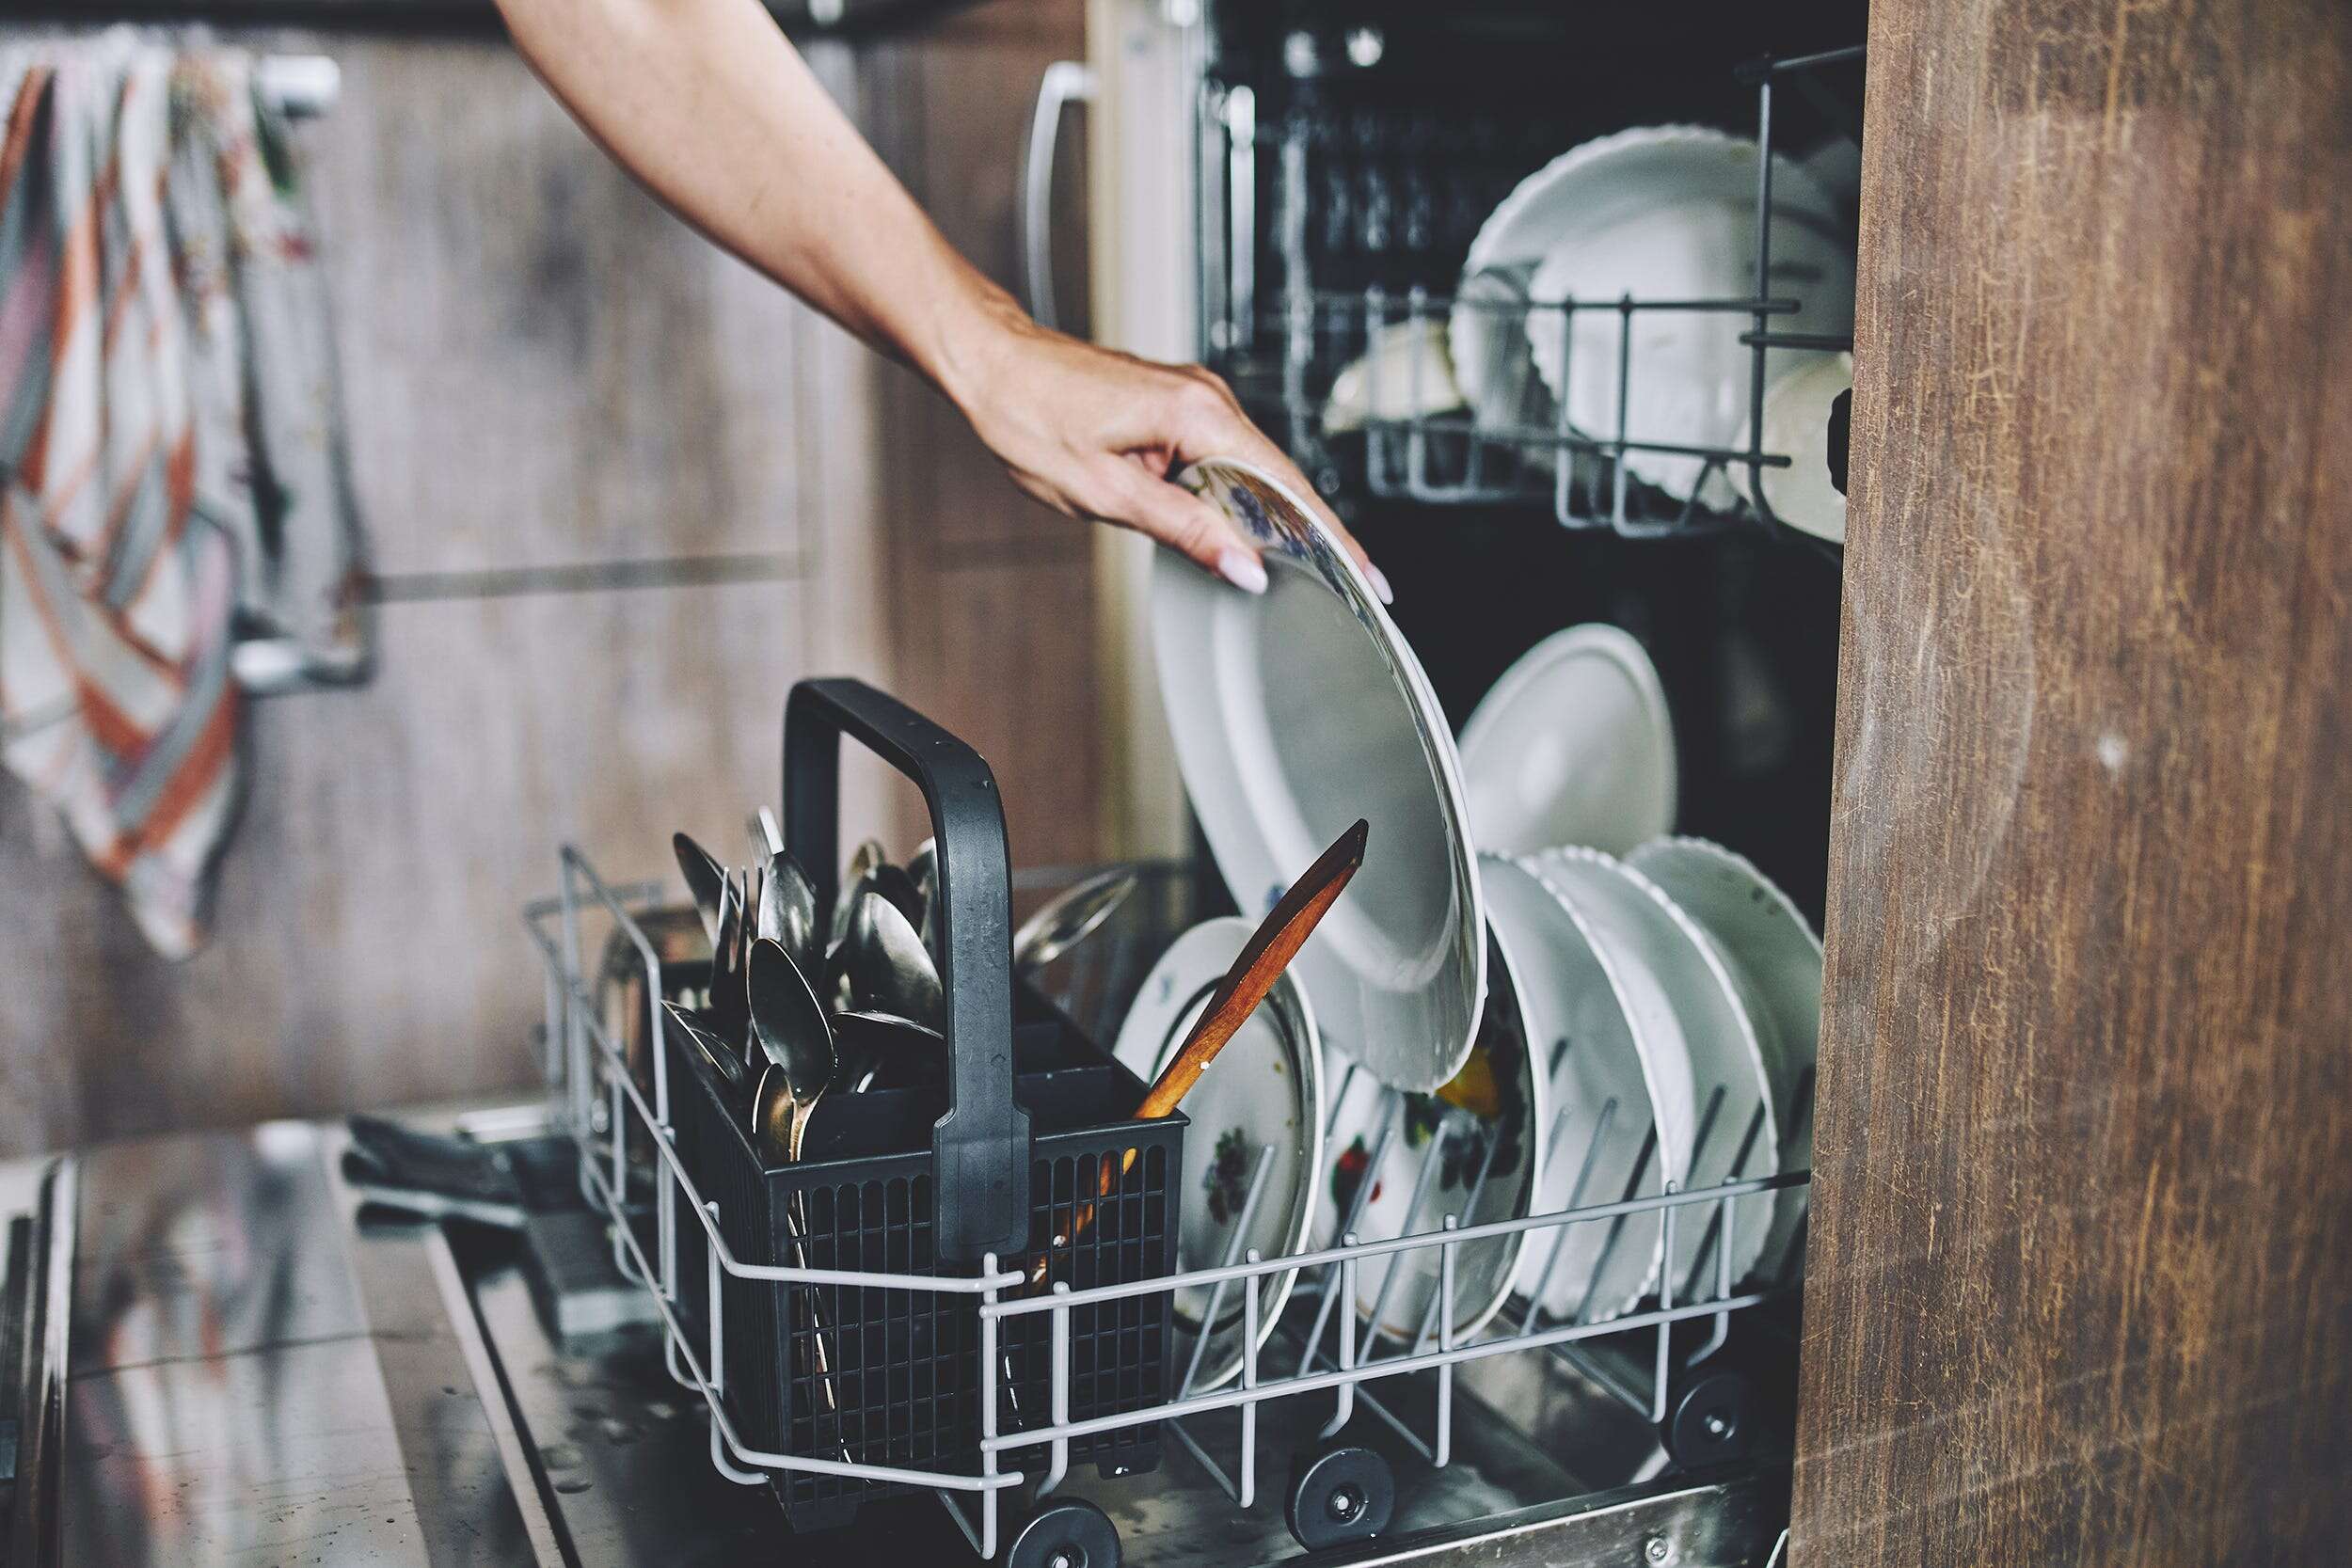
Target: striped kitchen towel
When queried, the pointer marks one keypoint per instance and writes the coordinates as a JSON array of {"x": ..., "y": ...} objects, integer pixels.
[{"x": 170, "y": 469}]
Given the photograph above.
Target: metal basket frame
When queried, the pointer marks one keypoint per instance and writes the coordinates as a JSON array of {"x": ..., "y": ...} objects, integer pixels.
[
  {"x": 599, "y": 1103},
  {"x": 1451, "y": 459}
]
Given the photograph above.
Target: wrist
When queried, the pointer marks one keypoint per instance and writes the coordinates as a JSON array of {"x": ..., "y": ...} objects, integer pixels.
[{"x": 974, "y": 340}]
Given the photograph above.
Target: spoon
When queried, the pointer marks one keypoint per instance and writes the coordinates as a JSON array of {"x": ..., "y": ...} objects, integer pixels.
[
  {"x": 1069, "y": 920},
  {"x": 722, "y": 1061},
  {"x": 923, "y": 871},
  {"x": 1255, "y": 968},
  {"x": 880, "y": 877},
  {"x": 704, "y": 879},
  {"x": 787, "y": 911},
  {"x": 868, "y": 855},
  {"x": 793, "y": 1032},
  {"x": 885, "y": 965},
  {"x": 885, "y": 1051},
  {"x": 726, "y": 967},
  {"x": 798, "y": 1042}
]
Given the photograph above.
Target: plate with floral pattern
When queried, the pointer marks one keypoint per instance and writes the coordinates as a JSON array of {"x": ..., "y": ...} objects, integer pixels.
[
  {"x": 1295, "y": 712},
  {"x": 1472, "y": 1151},
  {"x": 1263, "y": 1093}
]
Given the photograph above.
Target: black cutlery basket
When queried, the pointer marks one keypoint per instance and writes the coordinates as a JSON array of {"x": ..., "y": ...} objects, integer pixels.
[{"x": 926, "y": 1181}]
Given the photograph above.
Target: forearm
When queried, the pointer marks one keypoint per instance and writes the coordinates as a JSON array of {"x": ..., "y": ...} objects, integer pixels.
[
  {"x": 716, "y": 112},
  {"x": 707, "y": 102}
]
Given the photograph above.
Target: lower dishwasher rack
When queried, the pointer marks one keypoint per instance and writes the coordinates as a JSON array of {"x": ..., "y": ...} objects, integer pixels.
[{"x": 1654, "y": 1437}]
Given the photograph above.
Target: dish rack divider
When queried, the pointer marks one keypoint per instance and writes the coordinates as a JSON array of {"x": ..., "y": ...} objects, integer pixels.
[
  {"x": 1457, "y": 458},
  {"x": 600, "y": 1104}
]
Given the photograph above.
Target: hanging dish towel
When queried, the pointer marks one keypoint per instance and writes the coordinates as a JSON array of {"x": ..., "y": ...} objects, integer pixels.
[{"x": 170, "y": 460}]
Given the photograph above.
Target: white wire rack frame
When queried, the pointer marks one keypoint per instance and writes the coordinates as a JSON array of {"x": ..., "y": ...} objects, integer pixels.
[{"x": 599, "y": 1102}]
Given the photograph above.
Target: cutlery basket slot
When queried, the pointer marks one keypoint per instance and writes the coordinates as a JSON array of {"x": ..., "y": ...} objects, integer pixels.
[{"x": 902, "y": 1381}]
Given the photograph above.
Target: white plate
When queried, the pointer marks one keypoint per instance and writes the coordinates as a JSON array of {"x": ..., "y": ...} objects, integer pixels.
[
  {"x": 1265, "y": 1090},
  {"x": 1295, "y": 712},
  {"x": 1770, "y": 945},
  {"x": 1571, "y": 746},
  {"x": 1735, "y": 1138},
  {"x": 1498, "y": 1104},
  {"x": 1666, "y": 212},
  {"x": 1616, "y": 1077},
  {"x": 1796, "y": 424}
]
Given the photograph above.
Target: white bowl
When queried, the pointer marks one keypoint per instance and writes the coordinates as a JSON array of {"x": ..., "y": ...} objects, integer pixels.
[
  {"x": 1573, "y": 745},
  {"x": 1668, "y": 213},
  {"x": 1736, "y": 1137},
  {"x": 1620, "y": 1095},
  {"x": 1295, "y": 712},
  {"x": 1773, "y": 948},
  {"x": 1264, "y": 1091}
]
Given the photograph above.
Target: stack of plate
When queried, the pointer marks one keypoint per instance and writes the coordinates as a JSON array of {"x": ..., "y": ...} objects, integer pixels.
[
  {"x": 1679, "y": 990},
  {"x": 1469, "y": 1036}
]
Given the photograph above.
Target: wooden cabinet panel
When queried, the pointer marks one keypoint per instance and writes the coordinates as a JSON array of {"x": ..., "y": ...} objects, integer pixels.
[
  {"x": 1001, "y": 656},
  {"x": 543, "y": 366},
  {"x": 2080, "y": 1290}
]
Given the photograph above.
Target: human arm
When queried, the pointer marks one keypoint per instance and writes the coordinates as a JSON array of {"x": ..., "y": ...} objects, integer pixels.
[{"x": 710, "y": 107}]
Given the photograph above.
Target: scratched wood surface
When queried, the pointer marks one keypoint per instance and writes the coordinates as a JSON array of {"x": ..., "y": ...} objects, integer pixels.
[
  {"x": 2081, "y": 1286},
  {"x": 562, "y": 403}
]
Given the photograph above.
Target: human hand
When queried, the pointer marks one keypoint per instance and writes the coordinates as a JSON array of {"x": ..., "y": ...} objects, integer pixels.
[{"x": 1093, "y": 433}]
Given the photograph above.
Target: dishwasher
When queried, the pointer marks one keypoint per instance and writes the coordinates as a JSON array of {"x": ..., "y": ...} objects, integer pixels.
[{"x": 544, "y": 1371}]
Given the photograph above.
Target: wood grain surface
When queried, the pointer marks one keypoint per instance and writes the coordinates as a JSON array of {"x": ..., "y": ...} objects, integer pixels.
[
  {"x": 622, "y": 493},
  {"x": 2081, "y": 1286}
]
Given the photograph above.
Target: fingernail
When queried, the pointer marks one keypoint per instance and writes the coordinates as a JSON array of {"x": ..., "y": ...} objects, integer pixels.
[
  {"x": 1242, "y": 569},
  {"x": 1381, "y": 584}
]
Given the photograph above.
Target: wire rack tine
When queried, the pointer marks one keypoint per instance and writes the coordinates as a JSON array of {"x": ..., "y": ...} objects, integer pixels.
[
  {"x": 1576, "y": 1197},
  {"x": 1431, "y": 1162},
  {"x": 1469, "y": 1206},
  {"x": 1357, "y": 1199},
  {"x": 1234, "y": 1237},
  {"x": 1617, "y": 1227}
]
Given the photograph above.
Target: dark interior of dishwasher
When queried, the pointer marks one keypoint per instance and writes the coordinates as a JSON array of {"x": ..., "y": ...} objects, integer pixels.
[{"x": 1406, "y": 156}]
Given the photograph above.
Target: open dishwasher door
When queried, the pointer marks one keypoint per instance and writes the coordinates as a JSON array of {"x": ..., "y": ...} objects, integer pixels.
[{"x": 228, "y": 1354}]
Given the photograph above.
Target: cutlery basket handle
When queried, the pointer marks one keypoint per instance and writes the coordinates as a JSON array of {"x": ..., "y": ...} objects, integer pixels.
[{"x": 981, "y": 1147}]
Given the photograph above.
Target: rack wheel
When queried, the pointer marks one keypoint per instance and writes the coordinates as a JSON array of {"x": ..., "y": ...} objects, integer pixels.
[
  {"x": 1339, "y": 1496},
  {"x": 1713, "y": 1422},
  {"x": 1070, "y": 1534}
]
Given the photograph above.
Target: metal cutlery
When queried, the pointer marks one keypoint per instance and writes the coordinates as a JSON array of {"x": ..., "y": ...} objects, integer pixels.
[
  {"x": 796, "y": 1039},
  {"x": 881, "y": 1050},
  {"x": 883, "y": 965},
  {"x": 1068, "y": 919},
  {"x": 923, "y": 871},
  {"x": 787, "y": 911},
  {"x": 716, "y": 1052},
  {"x": 705, "y": 878}
]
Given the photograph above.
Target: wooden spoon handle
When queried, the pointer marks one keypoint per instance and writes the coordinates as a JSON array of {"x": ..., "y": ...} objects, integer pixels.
[{"x": 1260, "y": 963}]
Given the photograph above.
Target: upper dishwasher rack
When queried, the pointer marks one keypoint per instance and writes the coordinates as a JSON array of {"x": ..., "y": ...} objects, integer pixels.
[{"x": 1284, "y": 348}]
